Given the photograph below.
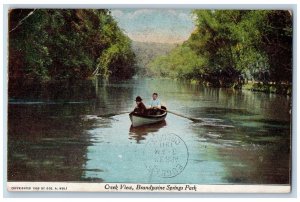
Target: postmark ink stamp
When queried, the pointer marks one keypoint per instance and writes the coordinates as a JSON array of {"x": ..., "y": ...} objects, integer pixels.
[{"x": 165, "y": 155}]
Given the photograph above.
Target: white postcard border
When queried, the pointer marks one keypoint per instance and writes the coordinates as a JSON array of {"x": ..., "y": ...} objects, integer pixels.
[{"x": 128, "y": 187}]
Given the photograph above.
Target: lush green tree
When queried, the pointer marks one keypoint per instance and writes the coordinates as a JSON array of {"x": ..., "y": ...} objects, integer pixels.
[
  {"x": 234, "y": 45},
  {"x": 228, "y": 39},
  {"x": 56, "y": 44},
  {"x": 277, "y": 44}
]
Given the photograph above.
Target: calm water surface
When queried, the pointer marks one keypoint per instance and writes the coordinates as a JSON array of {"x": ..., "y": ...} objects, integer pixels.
[{"x": 56, "y": 135}]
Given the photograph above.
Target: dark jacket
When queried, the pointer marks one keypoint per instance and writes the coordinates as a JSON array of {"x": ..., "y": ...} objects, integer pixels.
[{"x": 140, "y": 109}]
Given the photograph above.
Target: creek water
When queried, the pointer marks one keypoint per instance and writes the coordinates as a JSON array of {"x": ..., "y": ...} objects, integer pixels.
[{"x": 70, "y": 133}]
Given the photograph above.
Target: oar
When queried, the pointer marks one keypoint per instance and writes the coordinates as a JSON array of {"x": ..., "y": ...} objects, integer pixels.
[
  {"x": 113, "y": 114},
  {"x": 187, "y": 117}
]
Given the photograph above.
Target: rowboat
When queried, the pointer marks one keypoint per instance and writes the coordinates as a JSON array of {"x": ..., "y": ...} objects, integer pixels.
[{"x": 145, "y": 119}]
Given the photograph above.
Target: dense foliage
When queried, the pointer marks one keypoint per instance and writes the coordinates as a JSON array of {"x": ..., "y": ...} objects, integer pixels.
[
  {"x": 66, "y": 44},
  {"x": 230, "y": 46}
]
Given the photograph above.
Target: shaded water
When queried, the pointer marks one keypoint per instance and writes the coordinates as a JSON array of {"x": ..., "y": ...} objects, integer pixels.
[{"x": 56, "y": 135}]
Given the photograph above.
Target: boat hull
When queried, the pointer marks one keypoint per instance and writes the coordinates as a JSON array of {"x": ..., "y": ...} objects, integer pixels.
[{"x": 139, "y": 120}]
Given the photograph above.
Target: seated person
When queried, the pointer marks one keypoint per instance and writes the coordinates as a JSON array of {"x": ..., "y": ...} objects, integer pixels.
[
  {"x": 154, "y": 105},
  {"x": 140, "y": 107}
]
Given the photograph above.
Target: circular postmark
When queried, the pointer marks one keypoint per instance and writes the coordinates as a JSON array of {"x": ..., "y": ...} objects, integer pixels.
[{"x": 165, "y": 155}]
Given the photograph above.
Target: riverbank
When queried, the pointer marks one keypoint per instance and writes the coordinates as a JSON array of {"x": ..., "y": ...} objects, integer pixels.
[
  {"x": 30, "y": 87},
  {"x": 283, "y": 89}
]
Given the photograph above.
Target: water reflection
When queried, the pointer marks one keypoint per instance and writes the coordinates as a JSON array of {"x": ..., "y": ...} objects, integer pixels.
[
  {"x": 56, "y": 135},
  {"x": 252, "y": 149},
  {"x": 138, "y": 133},
  {"x": 47, "y": 128},
  {"x": 41, "y": 148}
]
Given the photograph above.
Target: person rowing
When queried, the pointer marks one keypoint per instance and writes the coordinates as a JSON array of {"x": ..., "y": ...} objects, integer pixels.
[
  {"x": 144, "y": 116},
  {"x": 140, "y": 107}
]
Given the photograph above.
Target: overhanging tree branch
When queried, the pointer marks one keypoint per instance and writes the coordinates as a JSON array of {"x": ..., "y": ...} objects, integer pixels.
[{"x": 21, "y": 21}]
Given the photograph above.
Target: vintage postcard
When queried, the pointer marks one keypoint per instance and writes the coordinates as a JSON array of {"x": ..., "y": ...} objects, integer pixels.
[{"x": 149, "y": 100}]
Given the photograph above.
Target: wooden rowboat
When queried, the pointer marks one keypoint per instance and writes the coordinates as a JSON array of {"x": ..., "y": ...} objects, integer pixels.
[{"x": 143, "y": 119}]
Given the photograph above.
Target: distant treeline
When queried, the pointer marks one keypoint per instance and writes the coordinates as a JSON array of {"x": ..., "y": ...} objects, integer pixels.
[
  {"x": 67, "y": 44},
  {"x": 146, "y": 52},
  {"x": 229, "y": 47}
]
